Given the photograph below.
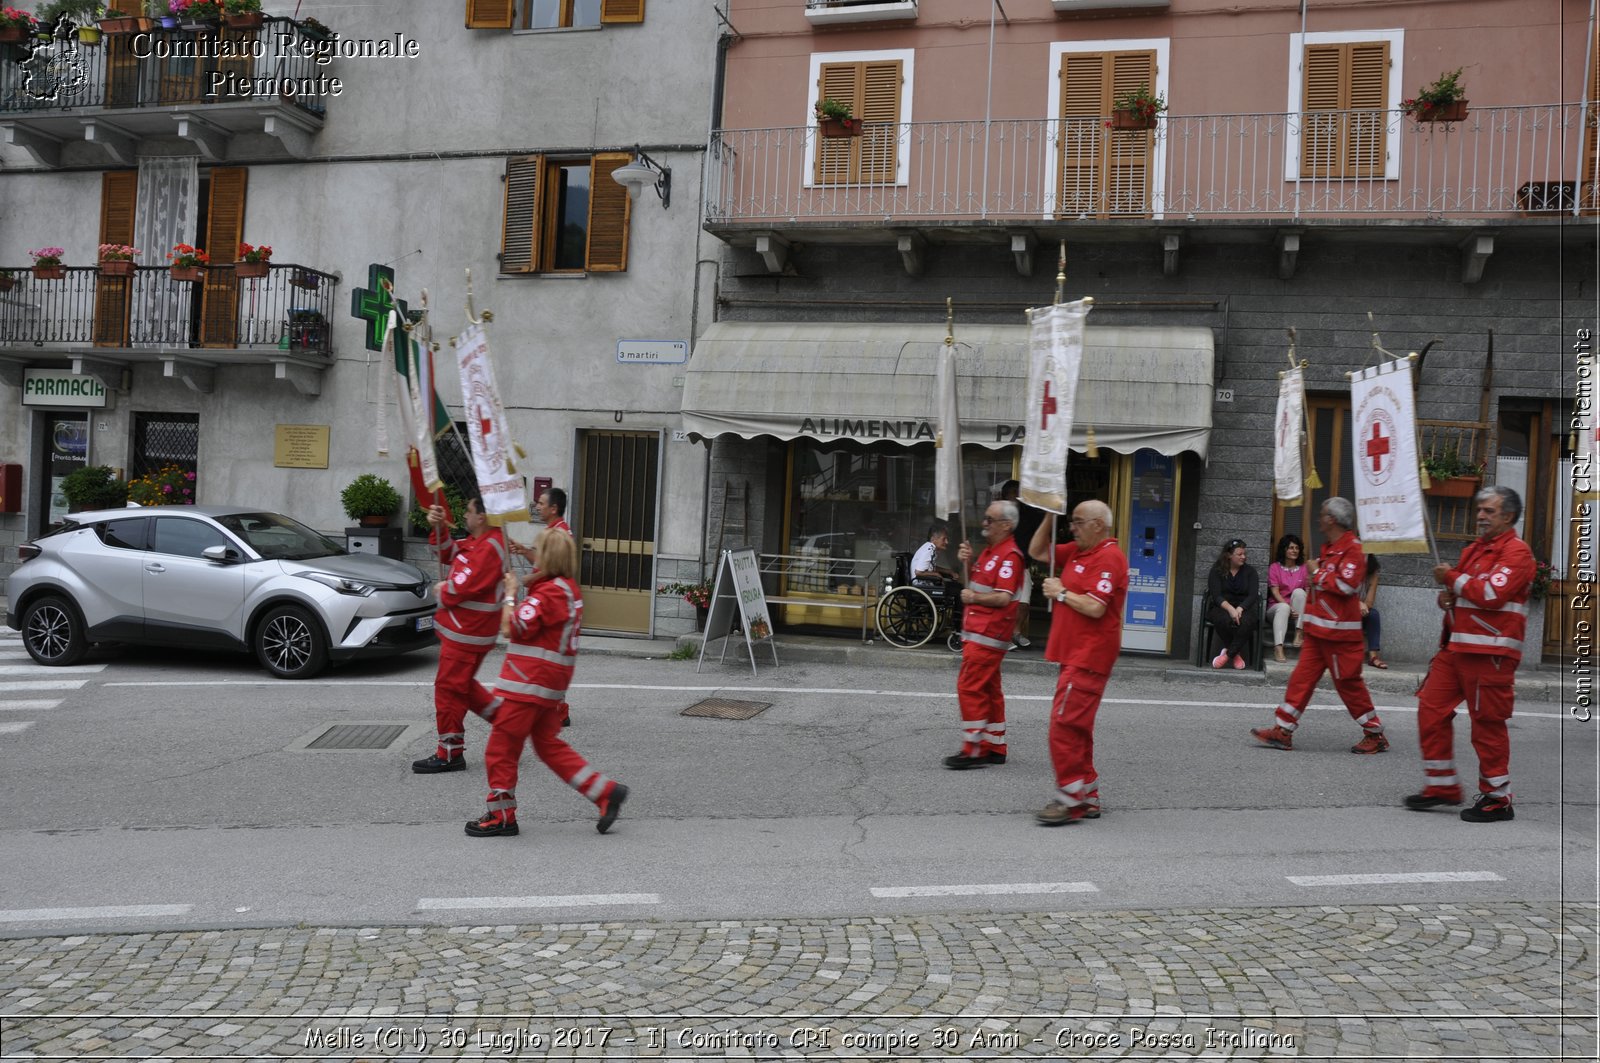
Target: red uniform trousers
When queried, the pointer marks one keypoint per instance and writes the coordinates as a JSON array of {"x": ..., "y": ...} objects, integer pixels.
[
  {"x": 455, "y": 690},
  {"x": 1343, "y": 659},
  {"x": 539, "y": 721},
  {"x": 983, "y": 703},
  {"x": 1486, "y": 683},
  {"x": 1077, "y": 700}
]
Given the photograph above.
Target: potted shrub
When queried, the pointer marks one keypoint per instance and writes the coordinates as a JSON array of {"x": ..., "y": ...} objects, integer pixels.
[
  {"x": 1137, "y": 109},
  {"x": 242, "y": 14},
  {"x": 1451, "y": 475},
  {"x": 93, "y": 487},
  {"x": 16, "y": 25},
  {"x": 833, "y": 119},
  {"x": 1442, "y": 101},
  {"x": 171, "y": 485},
  {"x": 116, "y": 260},
  {"x": 370, "y": 500},
  {"x": 418, "y": 517},
  {"x": 252, "y": 261},
  {"x": 188, "y": 263},
  {"x": 47, "y": 263}
]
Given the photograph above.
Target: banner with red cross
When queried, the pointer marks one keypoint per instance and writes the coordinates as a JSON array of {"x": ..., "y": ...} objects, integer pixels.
[
  {"x": 505, "y": 495},
  {"x": 1055, "y": 351},
  {"x": 1391, "y": 514}
]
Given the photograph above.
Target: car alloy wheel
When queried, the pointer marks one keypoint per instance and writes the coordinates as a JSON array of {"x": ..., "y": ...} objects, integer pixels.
[
  {"x": 52, "y": 632},
  {"x": 289, "y": 644}
]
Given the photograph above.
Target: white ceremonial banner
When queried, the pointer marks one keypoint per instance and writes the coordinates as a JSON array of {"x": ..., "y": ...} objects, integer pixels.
[
  {"x": 1287, "y": 473},
  {"x": 1055, "y": 351},
  {"x": 947, "y": 445},
  {"x": 416, "y": 398},
  {"x": 1391, "y": 514},
  {"x": 505, "y": 496}
]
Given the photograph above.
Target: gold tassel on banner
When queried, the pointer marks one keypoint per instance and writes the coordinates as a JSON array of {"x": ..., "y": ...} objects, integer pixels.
[{"x": 1090, "y": 449}]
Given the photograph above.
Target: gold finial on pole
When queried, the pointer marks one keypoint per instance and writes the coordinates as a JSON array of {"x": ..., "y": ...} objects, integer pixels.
[{"x": 1061, "y": 272}]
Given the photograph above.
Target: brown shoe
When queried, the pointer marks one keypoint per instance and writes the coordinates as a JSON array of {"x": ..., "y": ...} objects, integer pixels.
[
  {"x": 1273, "y": 736},
  {"x": 1278, "y": 654},
  {"x": 1059, "y": 813},
  {"x": 1371, "y": 742}
]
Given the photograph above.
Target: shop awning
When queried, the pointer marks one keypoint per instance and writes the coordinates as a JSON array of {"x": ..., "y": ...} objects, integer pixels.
[{"x": 1139, "y": 386}]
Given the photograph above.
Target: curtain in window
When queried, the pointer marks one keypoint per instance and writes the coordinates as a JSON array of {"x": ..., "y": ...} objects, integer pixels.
[{"x": 166, "y": 210}]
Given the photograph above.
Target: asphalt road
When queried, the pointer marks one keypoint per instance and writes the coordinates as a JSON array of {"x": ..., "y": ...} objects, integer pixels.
[{"x": 158, "y": 790}]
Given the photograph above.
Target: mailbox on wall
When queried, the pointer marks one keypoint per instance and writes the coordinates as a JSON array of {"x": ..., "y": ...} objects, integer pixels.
[{"x": 10, "y": 488}]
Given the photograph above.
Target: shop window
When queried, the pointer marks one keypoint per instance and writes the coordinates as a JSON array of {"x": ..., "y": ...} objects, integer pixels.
[{"x": 565, "y": 215}]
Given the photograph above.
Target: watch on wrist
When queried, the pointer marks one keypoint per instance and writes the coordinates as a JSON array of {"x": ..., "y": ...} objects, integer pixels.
[{"x": 1061, "y": 596}]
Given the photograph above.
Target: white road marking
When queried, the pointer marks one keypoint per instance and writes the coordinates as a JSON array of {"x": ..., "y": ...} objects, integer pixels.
[
  {"x": 36, "y": 669},
  {"x": 47, "y": 684},
  {"x": 1398, "y": 878},
  {"x": 575, "y": 900},
  {"x": 115, "y": 911},
  {"x": 14, "y": 728},
  {"x": 987, "y": 889},
  {"x": 6, "y": 706}
]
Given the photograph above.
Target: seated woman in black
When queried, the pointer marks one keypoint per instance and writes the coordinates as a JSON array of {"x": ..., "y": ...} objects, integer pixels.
[{"x": 1235, "y": 596}]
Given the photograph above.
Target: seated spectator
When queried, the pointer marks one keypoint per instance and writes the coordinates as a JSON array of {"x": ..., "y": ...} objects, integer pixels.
[
  {"x": 1371, "y": 622},
  {"x": 1235, "y": 591},
  {"x": 925, "y": 567},
  {"x": 1287, "y": 582}
]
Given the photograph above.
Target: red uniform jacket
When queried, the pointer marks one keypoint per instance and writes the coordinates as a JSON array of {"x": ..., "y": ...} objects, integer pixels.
[
  {"x": 1077, "y": 640},
  {"x": 544, "y": 643},
  {"x": 1334, "y": 609},
  {"x": 998, "y": 568},
  {"x": 469, "y": 608},
  {"x": 1491, "y": 585}
]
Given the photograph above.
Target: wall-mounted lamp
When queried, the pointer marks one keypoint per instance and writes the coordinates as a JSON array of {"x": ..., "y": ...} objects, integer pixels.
[{"x": 644, "y": 170}]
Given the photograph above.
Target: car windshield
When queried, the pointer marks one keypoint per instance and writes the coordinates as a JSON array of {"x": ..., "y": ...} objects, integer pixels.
[{"x": 274, "y": 536}]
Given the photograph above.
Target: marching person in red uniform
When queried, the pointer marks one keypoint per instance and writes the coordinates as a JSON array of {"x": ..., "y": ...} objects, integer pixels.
[
  {"x": 467, "y": 622},
  {"x": 551, "y": 508},
  {"x": 988, "y": 618},
  {"x": 1085, "y": 639},
  {"x": 1333, "y": 639},
  {"x": 543, "y": 626},
  {"x": 1486, "y": 602}
]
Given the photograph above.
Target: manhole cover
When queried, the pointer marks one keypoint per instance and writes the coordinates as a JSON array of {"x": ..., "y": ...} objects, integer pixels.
[
  {"x": 725, "y": 709},
  {"x": 358, "y": 736}
]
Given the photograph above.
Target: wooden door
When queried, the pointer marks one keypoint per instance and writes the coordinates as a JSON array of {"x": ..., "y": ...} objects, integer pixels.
[
  {"x": 219, "y": 304},
  {"x": 113, "y": 296}
]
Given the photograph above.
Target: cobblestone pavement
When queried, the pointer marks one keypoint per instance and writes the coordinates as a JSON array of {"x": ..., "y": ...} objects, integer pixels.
[{"x": 1503, "y": 980}]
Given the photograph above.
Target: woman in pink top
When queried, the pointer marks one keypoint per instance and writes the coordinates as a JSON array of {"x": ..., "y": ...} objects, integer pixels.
[{"x": 1287, "y": 580}]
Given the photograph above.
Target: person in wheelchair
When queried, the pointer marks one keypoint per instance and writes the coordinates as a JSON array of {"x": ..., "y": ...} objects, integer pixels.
[{"x": 925, "y": 568}]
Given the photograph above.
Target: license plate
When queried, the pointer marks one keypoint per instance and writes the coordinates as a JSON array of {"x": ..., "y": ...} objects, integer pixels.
[{"x": 424, "y": 623}]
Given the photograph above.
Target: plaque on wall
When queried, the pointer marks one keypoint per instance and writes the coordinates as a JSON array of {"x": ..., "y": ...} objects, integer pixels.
[{"x": 300, "y": 446}]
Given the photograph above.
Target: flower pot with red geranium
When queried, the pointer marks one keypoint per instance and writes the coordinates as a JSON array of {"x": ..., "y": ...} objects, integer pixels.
[
  {"x": 16, "y": 25},
  {"x": 1442, "y": 101},
  {"x": 116, "y": 260},
  {"x": 833, "y": 119},
  {"x": 188, "y": 263},
  {"x": 47, "y": 263},
  {"x": 1136, "y": 110},
  {"x": 253, "y": 261}
]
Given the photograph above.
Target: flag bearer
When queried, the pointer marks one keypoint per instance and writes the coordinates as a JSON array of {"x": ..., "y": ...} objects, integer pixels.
[{"x": 989, "y": 613}]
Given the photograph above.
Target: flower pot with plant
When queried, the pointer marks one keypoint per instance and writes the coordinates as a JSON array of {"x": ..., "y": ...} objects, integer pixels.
[
  {"x": 833, "y": 119},
  {"x": 197, "y": 14},
  {"x": 370, "y": 500},
  {"x": 7, "y": 280},
  {"x": 116, "y": 260},
  {"x": 1136, "y": 110},
  {"x": 697, "y": 594},
  {"x": 1450, "y": 474},
  {"x": 116, "y": 20},
  {"x": 47, "y": 263},
  {"x": 242, "y": 14},
  {"x": 93, "y": 487},
  {"x": 171, "y": 485},
  {"x": 313, "y": 30},
  {"x": 1442, "y": 101},
  {"x": 188, "y": 263},
  {"x": 253, "y": 261},
  {"x": 16, "y": 25}
]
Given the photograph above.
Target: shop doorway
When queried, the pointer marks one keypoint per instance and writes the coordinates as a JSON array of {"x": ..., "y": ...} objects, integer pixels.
[
  {"x": 65, "y": 450},
  {"x": 615, "y": 507}
]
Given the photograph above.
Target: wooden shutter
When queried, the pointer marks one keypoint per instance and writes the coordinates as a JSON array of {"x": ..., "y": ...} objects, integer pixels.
[
  {"x": 609, "y": 210},
  {"x": 872, "y": 89},
  {"x": 113, "y": 296},
  {"x": 1102, "y": 171},
  {"x": 122, "y": 70},
  {"x": 490, "y": 14},
  {"x": 219, "y": 305},
  {"x": 238, "y": 60},
  {"x": 519, "y": 232},
  {"x": 621, "y": 11},
  {"x": 1345, "y": 110}
]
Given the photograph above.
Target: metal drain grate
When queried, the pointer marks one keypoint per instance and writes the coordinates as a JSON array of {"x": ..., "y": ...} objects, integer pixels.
[
  {"x": 725, "y": 709},
  {"x": 358, "y": 736}
]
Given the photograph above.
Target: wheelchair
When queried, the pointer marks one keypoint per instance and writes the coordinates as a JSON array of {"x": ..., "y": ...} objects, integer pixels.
[{"x": 910, "y": 613}]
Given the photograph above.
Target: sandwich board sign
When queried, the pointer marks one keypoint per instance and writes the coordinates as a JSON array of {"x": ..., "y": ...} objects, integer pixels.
[{"x": 738, "y": 592}]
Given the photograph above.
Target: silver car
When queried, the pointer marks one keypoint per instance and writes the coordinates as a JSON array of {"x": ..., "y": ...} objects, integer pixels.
[{"x": 214, "y": 577}]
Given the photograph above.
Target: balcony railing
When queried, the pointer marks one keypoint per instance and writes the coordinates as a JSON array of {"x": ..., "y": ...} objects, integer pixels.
[
  {"x": 1497, "y": 162},
  {"x": 290, "y": 309},
  {"x": 167, "y": 67}
]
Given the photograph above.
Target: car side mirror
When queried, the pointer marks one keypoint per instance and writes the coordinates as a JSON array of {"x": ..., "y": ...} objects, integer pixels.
[{"x": 223, "y": 554}]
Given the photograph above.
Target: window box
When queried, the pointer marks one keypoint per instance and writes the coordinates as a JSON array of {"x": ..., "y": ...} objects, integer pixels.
[
  {"x": 1455, "y": 487},
  {"x": 187, "y": 273},
  {"x": 839, "y": 127},
  {"x": 1131, "y": 119},
  {"x": 116, "y": 267},
  {"x": 249, "y": 270},
  {"x": 1454, "y": 111},
  {"x": 247, "y": 20},
  {"x": 50, "y": 273}
]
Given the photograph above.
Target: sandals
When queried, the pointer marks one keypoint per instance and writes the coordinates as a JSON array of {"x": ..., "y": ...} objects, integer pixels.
[{"x": 1374, "y": 660}]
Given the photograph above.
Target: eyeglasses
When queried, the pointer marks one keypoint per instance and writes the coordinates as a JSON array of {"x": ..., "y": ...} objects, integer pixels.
[{"x": 994, "y": 520}]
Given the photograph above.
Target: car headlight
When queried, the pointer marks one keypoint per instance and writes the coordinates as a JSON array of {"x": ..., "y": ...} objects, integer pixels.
[{"x": 339, "y": 583}]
